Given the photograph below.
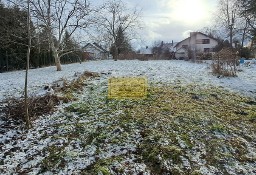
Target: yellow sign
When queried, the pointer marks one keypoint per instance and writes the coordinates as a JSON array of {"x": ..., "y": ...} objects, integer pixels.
[{"x": 127, "y": 88}]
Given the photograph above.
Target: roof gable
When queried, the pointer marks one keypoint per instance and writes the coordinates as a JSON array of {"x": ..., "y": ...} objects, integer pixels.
[
  {"x": 182, "y": 49},
  {"x": 196, "y": 33},
  {"x": 207, "y": 36},
  {"x": 181, "y": 41},
  {"x": 96, "y": 46}
]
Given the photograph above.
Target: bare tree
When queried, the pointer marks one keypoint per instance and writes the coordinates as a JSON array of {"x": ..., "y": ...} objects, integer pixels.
[
  {"x": 114, "y": 15},
  {"x": 247, "y": 10},
  {"x": 28, "y": 123},
  {"x": 226, "y": 17},
  {"x": 58, "y": 16},
  {"x": 230, "y": 18},
  {"x": 245, "y": 31}
]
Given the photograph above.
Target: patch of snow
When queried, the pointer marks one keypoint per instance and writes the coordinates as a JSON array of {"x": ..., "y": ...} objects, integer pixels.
[
  {"x": 27, "y": 150},
  {"x": 168, "y": 71}
]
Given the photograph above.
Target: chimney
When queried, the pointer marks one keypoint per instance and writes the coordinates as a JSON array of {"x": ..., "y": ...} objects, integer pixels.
[
  {"x": 193, "y": 34},
  {"x": 162, "y": 43}
]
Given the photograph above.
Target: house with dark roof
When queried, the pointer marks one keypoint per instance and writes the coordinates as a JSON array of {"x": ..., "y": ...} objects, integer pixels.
[
  {"x": 94, "y": 51},
  {"x": 198, "y": 42},
  {"x": 169, "y": 46},
  {"x": 146, "y": 51}
]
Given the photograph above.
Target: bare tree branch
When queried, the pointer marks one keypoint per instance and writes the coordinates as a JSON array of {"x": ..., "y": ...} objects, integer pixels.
[{"x": 59, "y": 16}]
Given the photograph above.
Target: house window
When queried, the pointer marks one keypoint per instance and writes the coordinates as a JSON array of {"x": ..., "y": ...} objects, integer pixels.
[
  {"x": 203, "y": 41},
  {"x": 206, "y": 41},
  {"x": 206, "y": 49},
  {"x": 185, "y": 46}
]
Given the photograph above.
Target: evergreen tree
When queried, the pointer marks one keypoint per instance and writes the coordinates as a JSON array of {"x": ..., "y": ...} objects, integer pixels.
[
  {"x": 13, "y": 36},
  {"x": 44, "y": 54},
  {"x": 70, "y": 47},
  {"x": 68, "y": 43},
  {"x": 121, "y": 43}
]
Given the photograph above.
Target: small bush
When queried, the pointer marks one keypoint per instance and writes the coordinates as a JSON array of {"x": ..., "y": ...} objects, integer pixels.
[
  {"x": 225, "y": 63},
  {"x": 204, "y": 56}
]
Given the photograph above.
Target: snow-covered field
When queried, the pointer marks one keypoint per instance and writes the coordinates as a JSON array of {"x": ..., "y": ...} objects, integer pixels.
[
  {"x": 96, "y": 136},
  {"x": 12, "y": 83}
]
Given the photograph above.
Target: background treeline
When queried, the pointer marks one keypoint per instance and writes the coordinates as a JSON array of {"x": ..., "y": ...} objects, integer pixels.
[{"x": 13, "y": 42}]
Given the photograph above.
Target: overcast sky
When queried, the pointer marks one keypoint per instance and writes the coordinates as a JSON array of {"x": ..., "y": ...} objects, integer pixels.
[{"x": 167, "y": 20}]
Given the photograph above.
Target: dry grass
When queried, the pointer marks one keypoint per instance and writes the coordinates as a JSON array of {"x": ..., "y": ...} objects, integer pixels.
[
  {"x": 37, "y": 106},
  {"x": 76, "y": 86},
  {"x": 43, "y": 105}
]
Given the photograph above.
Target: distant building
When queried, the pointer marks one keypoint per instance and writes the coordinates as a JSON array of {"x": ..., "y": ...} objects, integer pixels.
[
  {"x": 93, "y": 51},
  {"x": 170, "y": 46},
  {"x": 146, "y": 51},
  {"x": 164, "y": 50},
  {"x": 168, "y": 50},
  {"x": 181, "y": 53},
  {"x": 198, "y": 42}
]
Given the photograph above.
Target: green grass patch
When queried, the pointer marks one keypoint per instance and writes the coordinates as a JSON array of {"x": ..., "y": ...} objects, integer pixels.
[{"x": 171, "y": 124}]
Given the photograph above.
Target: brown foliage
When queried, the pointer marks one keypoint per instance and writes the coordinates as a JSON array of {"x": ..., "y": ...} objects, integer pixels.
[
  {"x": 225, "y": 62},
  {"x": 75, "y": 85},
  {"x": 127, "y": 56},
  {"x": 203, "y": 56},
  {"x": 37, "y": 106}
]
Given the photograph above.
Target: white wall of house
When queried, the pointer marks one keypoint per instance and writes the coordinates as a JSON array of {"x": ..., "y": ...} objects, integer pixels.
[
  {"x": 198, "y": 42},
  {"x": 95, "y": 52},
  {"x": 182, "y": 49},
  {"x": 182, "y": 53},
  {"x": 182, "y": 44}
]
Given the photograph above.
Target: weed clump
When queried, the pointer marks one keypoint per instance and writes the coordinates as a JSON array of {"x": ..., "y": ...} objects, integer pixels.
[
  {"x": 225, "y": 63},
  {"x": 38, "y": 106},
  {"x": 44, "y": 105}
]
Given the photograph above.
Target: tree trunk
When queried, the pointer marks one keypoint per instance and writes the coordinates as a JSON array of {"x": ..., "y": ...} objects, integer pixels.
[
  {"x": 193, "y": 55},
  {"x": 7, "y": 63},
  {"x": 231, "y": 36},
  {"x": 115, "y": 53},
  {"x": 244, "y": 32},
  {"x": 27, "y": 117},
  {"x": 56, "y": 59},
  {"x": 242, "y": 45}
]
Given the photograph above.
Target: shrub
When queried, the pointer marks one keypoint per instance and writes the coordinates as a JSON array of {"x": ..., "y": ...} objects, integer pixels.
[
  {"x": 204, "y": 56},
  {"x": 225, "y": 63}
]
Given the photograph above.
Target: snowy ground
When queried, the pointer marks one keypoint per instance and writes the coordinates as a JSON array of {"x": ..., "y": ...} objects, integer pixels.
[
  {"x": 12, "y": 83},
  {"x": 94, "y": 135}
]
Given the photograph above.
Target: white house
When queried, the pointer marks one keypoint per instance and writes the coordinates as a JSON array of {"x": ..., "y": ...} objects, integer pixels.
[
  {"x": 170, "y": 46},
  {"x": 95, "y": 51},
  {"x": 198, "y": 42},
  {"x": 146, "y": 51}
]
